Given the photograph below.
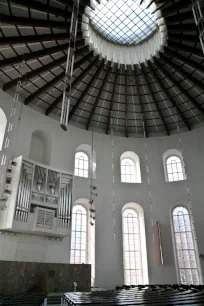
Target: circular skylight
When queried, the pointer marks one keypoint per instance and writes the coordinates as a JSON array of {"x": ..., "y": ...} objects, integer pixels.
[{"x": 124, "y": 22}]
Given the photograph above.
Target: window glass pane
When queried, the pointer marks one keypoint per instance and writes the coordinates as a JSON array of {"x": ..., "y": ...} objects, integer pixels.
[
  {"x": 78, "y": 235},
  {"x": 186, "y": 255},
  {"x": 128, "y": 172},
  {"x": 174, "y": 169},
  {"x": 81, "y": 164},
  {"x": 132, "y": 248}
]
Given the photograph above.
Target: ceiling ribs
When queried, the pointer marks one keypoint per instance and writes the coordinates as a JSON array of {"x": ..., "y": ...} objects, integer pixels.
[
  {"x": 42, "y": 7},
  {"x": 144, "y": 72},
  {"x": 181, "y": 37},
  {"x": 36, "y": 38},
  {"x": 170, "y": 20},
  {"x": 31, "y": 22},
  {"x": 74, "y": 84},
  {"x": 185, "y": 60},
  {"x": 150, "y": 65},
  {"x": 85, "y": 92},
  {"x": 184, "y": 74},
  {"x": 126, "y": 106},
  {"x": 42, "y": 69},
  {"x": 169, "y": 75},
  {"x": 185, "y": 48},
  {"x": 32, "y": 55},
  {"x": 140, "y": 103},
  {"x": 115, "y": 72},
  {"x": 174, "y": 7},
  {"x": 107, "y": 75}
]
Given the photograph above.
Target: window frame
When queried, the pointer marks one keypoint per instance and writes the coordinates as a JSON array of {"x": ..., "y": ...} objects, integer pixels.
[
  {"x": 90, "y": 237},
  {"x": 195, "y": 247},
  {"x": 137, "y": 170},
  {"x": 86, "y": 235},
  {"x": 134, "y": 175},
  {"x": 182, "y": 169},
  {"x": 170, "y": 153},
  {"x": 79, "y": 169},
  {"x": 143, "y": 246}
]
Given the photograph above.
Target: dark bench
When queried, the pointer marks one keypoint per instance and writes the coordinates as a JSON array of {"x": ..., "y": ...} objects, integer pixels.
[
  {"x": 24, "y": 299},
  {"x": 155, "y": 295}
]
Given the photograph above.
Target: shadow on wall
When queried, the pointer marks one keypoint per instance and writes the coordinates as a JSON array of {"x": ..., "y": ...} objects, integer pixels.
[{"x": 40, "y": 147}]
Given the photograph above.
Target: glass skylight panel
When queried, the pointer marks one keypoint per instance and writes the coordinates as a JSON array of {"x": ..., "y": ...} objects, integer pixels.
[{"x": 133, "y": 22}]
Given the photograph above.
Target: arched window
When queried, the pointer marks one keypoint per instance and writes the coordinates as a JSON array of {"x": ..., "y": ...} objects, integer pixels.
[
  {"x": 174, "y": 169},
  {"x": 134, "y": 245},
  {"x": 79, "y": 235},
  {"x": 81, "y": 164},
  {"x": 3, "y": 123},
  {"x": 173, "y": 166},
  {"x": 127, "y": 171},
  {"x": 130, "y": 168},
  {"x": 83, "y": 236},
  {"x": 185, "y": 246}
]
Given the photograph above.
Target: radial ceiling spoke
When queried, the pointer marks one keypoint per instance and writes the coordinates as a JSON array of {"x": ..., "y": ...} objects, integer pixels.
[
  {"x": 31, "y": 22},
  {"x": 74, "y": 84},
  {"x": 174, "y": 104},
  {"x": 35, "y": 38},
  {"x": 41, "y": 70},
  {"x": 141, "y": 104},
  {"x": 85, "y": 92},
  {"x": 185, "y": 60},
  {"x": 174, "y": 7},
  {"x": 126, "y": 107},
  {"x": 36, "y": 5},
  {"x": 32, "y": 55},
  {"x": 144, "y": 72},
  {"x": 115, "y": 71},
  {"x": 179, "y": 87},
  {"x": 183, "y": 73},
  {"x": 107, "y": 75},
  {"x": 191, "y": 50}
]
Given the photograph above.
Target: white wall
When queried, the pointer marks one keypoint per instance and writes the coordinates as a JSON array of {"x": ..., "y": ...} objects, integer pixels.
[{"x": 109, "y": 261}]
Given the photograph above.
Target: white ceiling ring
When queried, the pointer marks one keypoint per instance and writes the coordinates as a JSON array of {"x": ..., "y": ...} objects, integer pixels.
[{"x": 126, "y": 52}]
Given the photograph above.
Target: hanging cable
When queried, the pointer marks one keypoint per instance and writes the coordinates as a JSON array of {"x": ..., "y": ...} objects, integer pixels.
[
  {"x": 113, "y": 178},
  {"x": 93, "y": 188},
  {"x": 69, "y": 66},
  {"x": 148, "y": 178}
]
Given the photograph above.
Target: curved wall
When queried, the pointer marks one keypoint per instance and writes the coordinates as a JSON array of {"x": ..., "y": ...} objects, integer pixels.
[{"x": 109, "y": 260}]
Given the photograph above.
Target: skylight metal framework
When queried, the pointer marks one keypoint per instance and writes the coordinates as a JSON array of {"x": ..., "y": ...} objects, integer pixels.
[{"x": 124, "y": 22}]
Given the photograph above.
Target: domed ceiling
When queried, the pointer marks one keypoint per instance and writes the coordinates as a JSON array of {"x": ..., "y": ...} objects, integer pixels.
[{"x": 146, "y": 98}]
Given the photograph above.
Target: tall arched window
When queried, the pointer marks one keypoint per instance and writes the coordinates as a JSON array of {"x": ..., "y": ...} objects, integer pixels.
[
  {"x": 174, "y": 169},
  {"x": 83, "y": 236},
  {"x": 185, "y": 243},
  {"x": 79, "y": 235},
  {"x": 3, "y": 123},
  {"x": 134, "y": 245},
  {"x": 130, "y": 168},
  {"x": 81, "y": 164}
]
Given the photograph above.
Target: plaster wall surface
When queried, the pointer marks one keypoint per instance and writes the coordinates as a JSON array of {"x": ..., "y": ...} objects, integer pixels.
[{"x": 109, "y": 255}]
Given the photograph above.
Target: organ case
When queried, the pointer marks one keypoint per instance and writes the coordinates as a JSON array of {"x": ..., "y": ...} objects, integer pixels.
[{"x": 40, "y": 200}]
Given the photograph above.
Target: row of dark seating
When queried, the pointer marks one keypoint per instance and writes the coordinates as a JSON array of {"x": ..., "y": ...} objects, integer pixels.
[
  {"x": 24, "y": 299},
  {"x": 155, "y": 295}
]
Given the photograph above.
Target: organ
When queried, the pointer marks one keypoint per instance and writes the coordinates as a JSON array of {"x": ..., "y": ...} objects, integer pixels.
[{"x": 38, "y": 200}]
